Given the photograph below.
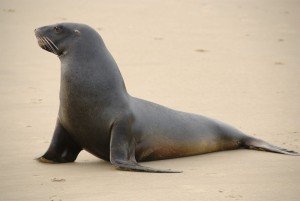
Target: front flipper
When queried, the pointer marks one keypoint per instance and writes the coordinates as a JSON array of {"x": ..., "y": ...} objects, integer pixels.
[
  {"x": 122, "y": 148},
  {"x": 63, "y": 148},
  {"x": 134, "y": 166}
]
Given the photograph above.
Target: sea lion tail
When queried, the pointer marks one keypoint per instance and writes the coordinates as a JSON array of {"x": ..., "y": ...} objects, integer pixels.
[{"x": 257, "y": 144}]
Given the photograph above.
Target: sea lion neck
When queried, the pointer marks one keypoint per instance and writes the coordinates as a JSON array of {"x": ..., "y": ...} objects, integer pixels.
[{"x": 87, "y": 63}]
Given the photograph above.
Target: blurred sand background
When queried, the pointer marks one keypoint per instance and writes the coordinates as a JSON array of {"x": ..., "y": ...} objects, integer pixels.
[{"x": 237, "y": 61}]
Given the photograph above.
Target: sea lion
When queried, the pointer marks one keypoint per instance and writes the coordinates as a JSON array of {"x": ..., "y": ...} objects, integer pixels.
[{"x": 97, "y": 114}]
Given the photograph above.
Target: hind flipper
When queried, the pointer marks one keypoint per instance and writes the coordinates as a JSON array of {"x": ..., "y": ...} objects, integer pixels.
[{"x": 257, "y": 144}]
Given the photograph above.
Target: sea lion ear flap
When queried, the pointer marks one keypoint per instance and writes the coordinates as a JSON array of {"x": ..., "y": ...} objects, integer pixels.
[{"x": 77, "y": 32}]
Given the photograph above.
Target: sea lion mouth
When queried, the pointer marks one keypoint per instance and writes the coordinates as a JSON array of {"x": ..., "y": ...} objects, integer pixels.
[{"x": 48, "y": 45}]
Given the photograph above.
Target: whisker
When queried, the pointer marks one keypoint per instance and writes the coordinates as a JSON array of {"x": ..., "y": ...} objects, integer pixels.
[
  {"x": 52, "y": 42},
  {"x": 49, "y": 45},
  {"x": 41, "y": 40},
  {"x": 44, "y": 42}
]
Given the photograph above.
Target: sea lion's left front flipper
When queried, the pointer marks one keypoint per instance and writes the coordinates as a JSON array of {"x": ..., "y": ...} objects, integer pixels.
[
  {"x": 63, "y": 149},
  {"x": 122, "y": 149}
]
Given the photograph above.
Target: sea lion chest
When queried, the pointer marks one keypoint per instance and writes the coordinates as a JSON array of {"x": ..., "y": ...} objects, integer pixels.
[{"x": 84, "y": 113}]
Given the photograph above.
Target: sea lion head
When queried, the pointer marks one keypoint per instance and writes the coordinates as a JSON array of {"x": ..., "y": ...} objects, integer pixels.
[{"x": 60, "y": 38}]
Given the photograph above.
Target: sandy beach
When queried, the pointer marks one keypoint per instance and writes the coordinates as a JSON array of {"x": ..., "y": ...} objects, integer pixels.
[{"x": 236, "y": 61}]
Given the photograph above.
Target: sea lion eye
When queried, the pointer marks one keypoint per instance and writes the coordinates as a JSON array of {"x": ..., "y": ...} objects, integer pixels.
[{"x": 57, "y": 29}]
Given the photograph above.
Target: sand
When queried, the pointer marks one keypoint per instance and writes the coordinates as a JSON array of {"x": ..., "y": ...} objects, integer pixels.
[{"x": 237, "y": 61}]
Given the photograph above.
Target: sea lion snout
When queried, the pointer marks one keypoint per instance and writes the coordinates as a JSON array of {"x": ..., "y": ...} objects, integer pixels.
[
  {"x": 45, "y": 41},
  {"x": 40, "y": 31}
]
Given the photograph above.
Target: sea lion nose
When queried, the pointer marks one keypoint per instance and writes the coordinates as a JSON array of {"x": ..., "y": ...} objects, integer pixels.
[{"x": 37, "y": 31}]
